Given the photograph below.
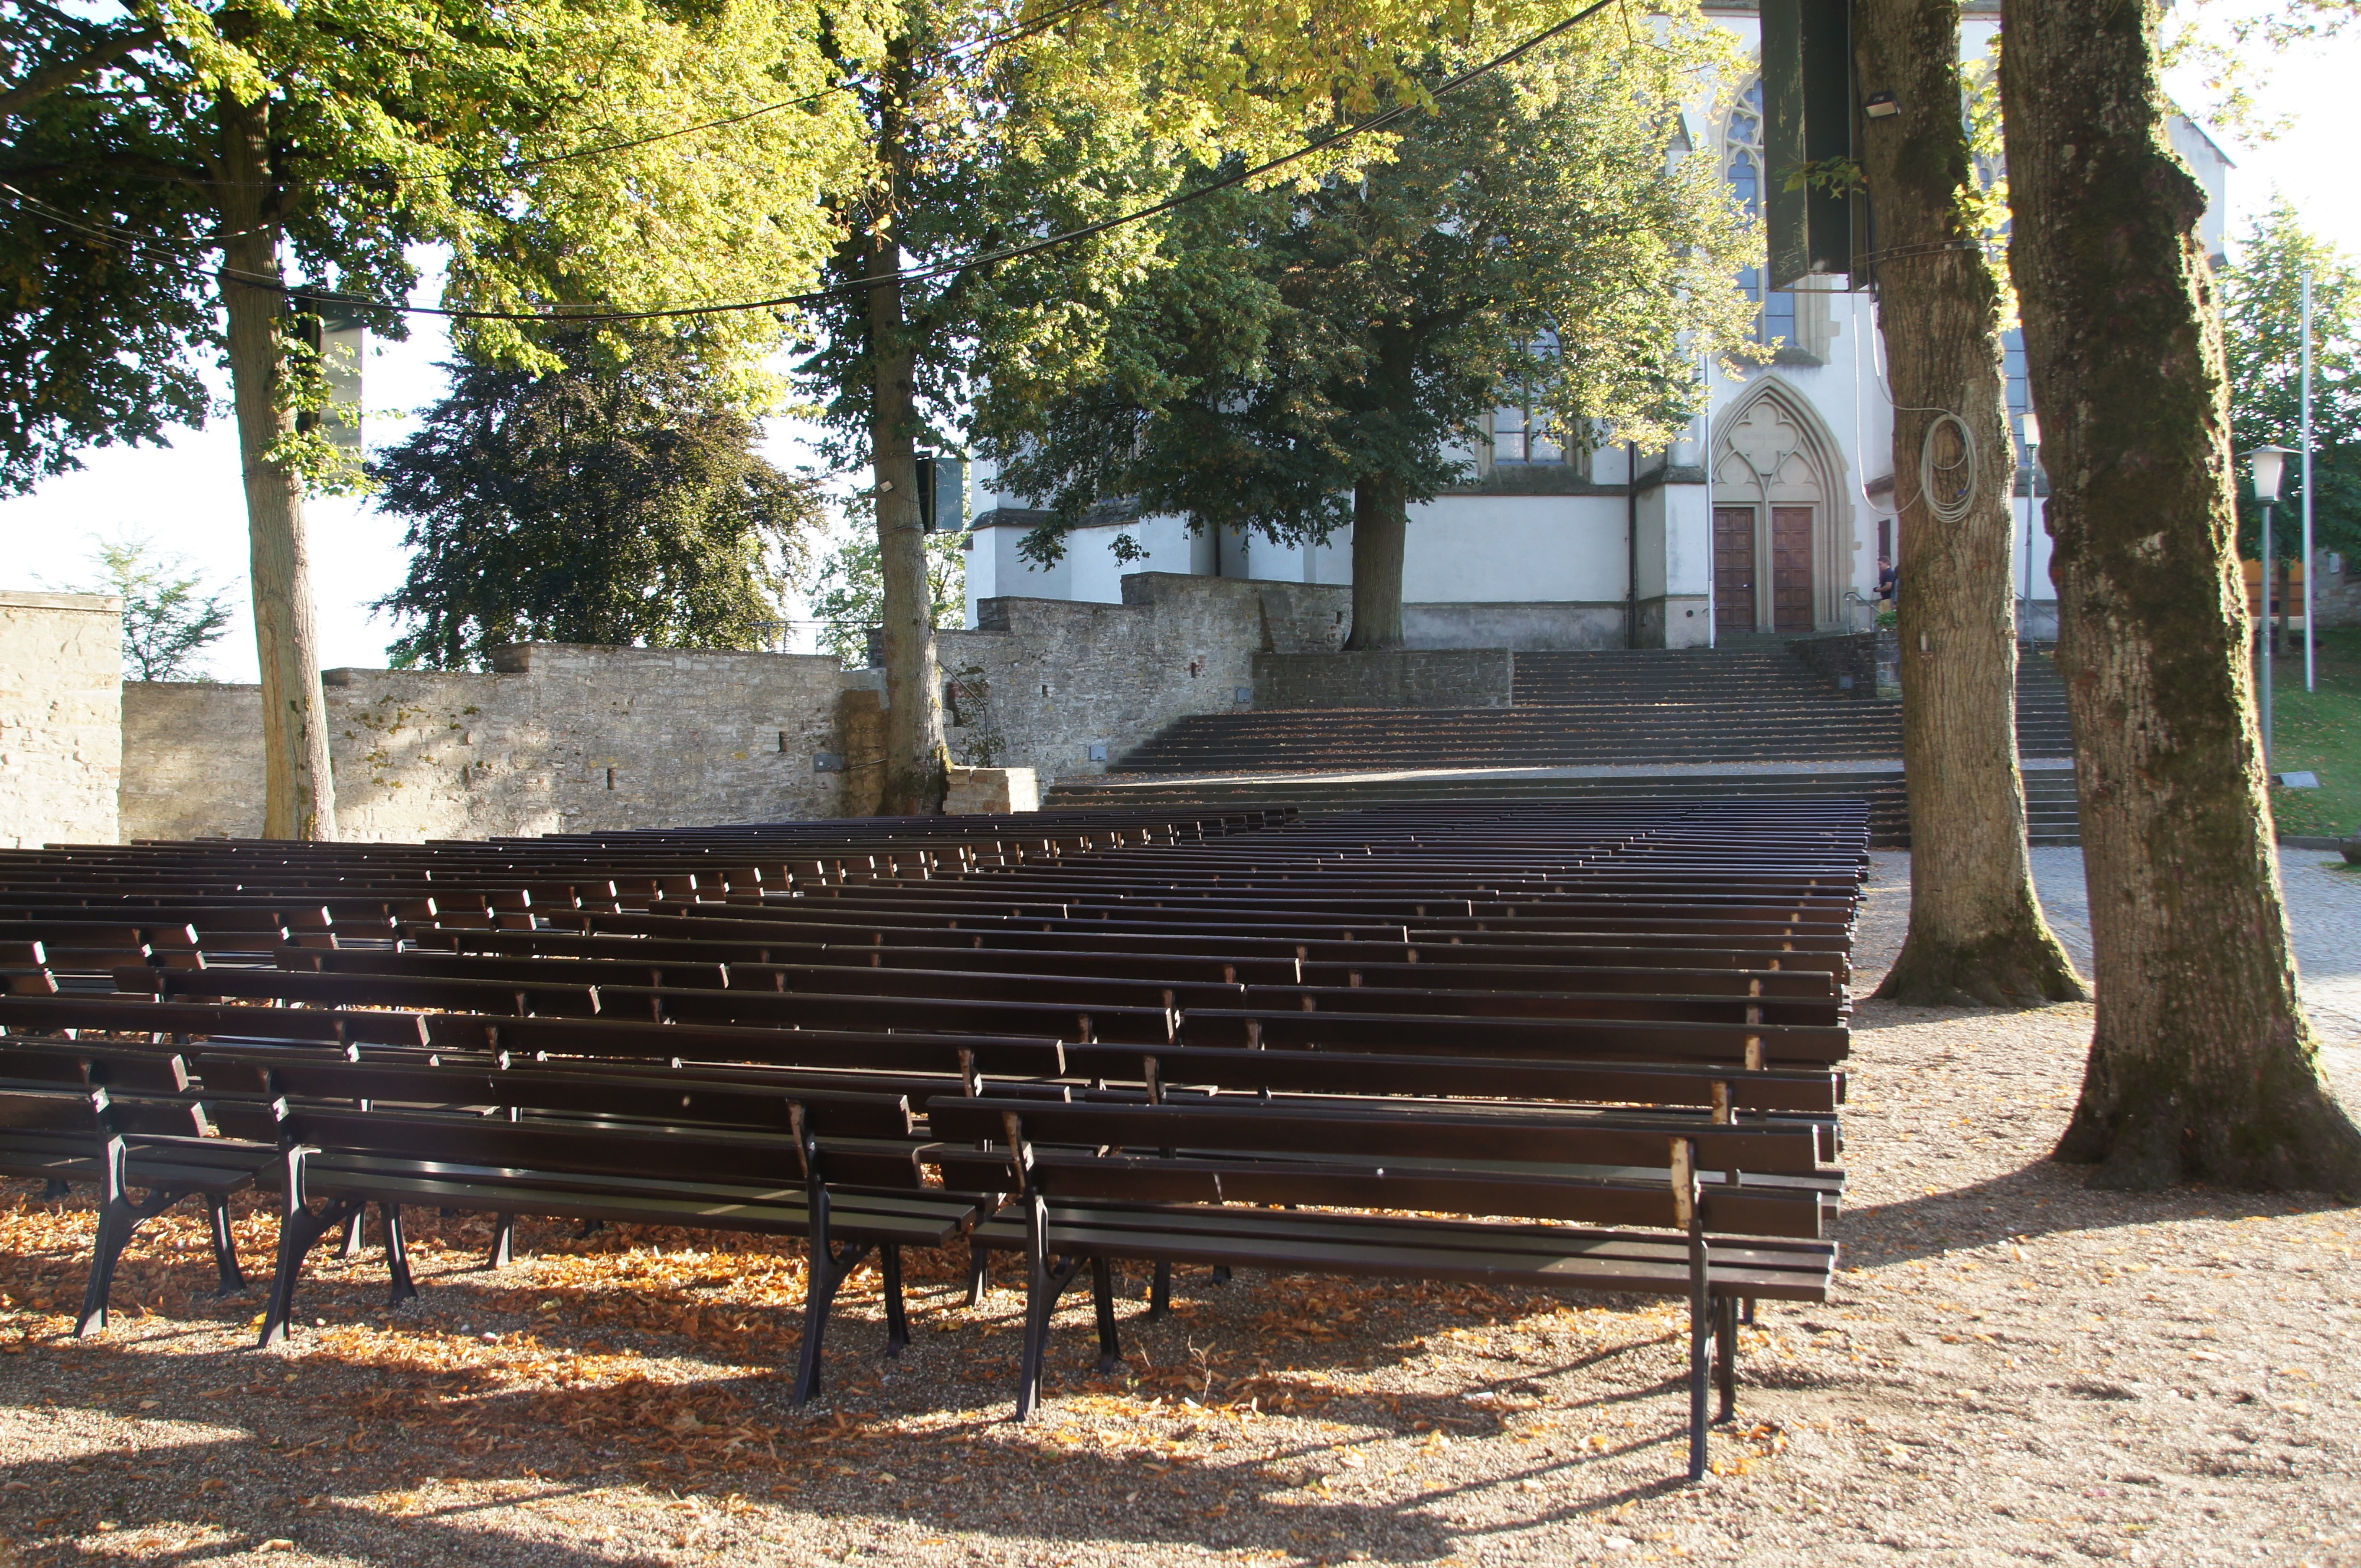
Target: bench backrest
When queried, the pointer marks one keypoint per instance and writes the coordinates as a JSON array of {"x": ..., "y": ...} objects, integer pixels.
[{"x": 1621, "y": 1170}]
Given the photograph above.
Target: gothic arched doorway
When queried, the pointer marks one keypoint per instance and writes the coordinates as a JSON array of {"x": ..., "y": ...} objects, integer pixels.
[{"x": 1775, "y": 531}]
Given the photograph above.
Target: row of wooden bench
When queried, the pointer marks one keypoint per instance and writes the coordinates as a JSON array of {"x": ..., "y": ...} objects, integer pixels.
[
  {"x": 1156, "y": 1171},
  {"x": 1635, "y": 1080}
]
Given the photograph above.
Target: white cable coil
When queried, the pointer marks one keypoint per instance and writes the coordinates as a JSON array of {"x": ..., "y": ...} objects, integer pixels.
[{"x": 1953, "y": 508}]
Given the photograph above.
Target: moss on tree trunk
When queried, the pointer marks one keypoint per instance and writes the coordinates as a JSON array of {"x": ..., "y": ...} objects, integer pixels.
[
  {"x": 2202, "y": 1066},
  {"x": 1977, "y": 934}
]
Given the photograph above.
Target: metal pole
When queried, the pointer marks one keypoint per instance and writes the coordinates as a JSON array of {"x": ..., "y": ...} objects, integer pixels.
[
  {"x": 1705, "y": 430},
  {"x": 2265, "y": 626},
  {"x": 2306, "y": 442},
  {"x": 2025, "y": 611}
]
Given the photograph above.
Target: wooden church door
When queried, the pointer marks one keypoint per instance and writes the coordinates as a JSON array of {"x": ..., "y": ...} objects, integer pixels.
[
  {"x": 1733, "y": 569},
  {"x": 1791, "y": 569}
]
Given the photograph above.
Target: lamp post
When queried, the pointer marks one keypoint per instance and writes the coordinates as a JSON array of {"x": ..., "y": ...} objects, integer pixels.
[
  {"x": 2268, "y": 463},
  {"x": 2032, "y": 469},
  {"x": 2306, "y": 439}
]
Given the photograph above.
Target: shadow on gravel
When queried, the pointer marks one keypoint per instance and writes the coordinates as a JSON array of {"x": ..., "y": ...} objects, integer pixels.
[
  {"x": 326, "y": 1441},
  {"x": 2042, "y": 1198}
]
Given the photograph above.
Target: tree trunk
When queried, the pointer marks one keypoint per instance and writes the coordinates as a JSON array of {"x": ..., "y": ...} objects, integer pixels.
[
  {"x": 300, "y": 793},
  {"x": 1381, "y": 532},
  {"x": 1977, "y": 934},
  {"x": 914, "y": 751},
  {"x": 2202, "y": 1066}
]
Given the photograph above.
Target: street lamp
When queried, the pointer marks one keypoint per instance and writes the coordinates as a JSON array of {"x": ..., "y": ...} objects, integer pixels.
[
  {"x": 2032, "y": 483},
  {"x": 2268, "y": 463}
]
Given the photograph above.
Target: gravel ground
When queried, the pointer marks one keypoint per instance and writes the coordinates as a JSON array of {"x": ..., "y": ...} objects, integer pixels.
[{"x": 2012, "y": 1369}]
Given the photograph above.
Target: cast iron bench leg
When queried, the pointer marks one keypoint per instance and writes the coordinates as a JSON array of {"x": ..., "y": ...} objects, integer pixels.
[
  {"x": 979, "y": 1273},
  {"x": 114, "y": 1230},
  {"x": 1702, "y": 1314},
  {"x": 1221, "y": 1273},
  {"x": 300, "y": 1231},
  {"x": 118, "y": 1216},
  {"x": 504, "y": 1237},
  {"x": 397, "y": 1257},
  {"x": 1046, "y": 1281},
  {"x": 1103, "y": 1299},
  {"x": 1159, "y": 1292},
  {"x": 353, "y": 1232},
  {"x": 233, "y": 1278},
  {"x": 54, "y": 1189},
  {"x": 831, "y": 1261},
  {"x": 897, "y": 1321},
  {"x": 1725, "y": 1357}
]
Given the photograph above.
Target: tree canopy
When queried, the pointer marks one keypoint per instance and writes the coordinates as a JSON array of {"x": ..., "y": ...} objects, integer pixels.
[
  {"x": 511, "y": 133},
  {"x": 849, "y": 591},
  {"x": 1329, "y": 351},
  {"x": 208, "y": 176},
  {"x": 169, "y": 619},
  {"x": 2263, "y": 325},
  {"x": 616, "y": 500}
]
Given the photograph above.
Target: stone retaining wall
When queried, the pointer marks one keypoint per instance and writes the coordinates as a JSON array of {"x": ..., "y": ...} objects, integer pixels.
[
  {"x": 557, "y": 739},
  {"x": 1062, "y": 687},
  {"x": 564, "y": 739},
  {"x": 61, "y": 717}
]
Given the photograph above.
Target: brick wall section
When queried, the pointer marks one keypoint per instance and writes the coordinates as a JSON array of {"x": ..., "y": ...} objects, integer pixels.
[
  {"x": 61, "y": 717},
  {"x": 1042, "y": 682},
  {"x": 1405, "y": 677},
  {"x": 686, "y": 737}
]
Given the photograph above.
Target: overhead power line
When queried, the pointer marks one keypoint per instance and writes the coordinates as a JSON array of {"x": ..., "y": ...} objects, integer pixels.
[{"x": 581, "y": 315}]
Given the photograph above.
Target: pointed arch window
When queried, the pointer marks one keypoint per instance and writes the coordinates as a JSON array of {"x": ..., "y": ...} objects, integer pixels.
[
  {"x": 1522, "y": 432},
  {"x": 1742, "y": 166}
]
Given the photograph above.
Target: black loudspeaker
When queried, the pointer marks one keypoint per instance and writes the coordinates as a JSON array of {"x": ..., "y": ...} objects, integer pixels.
[
  {"x": 943, "y": 494},
  {"x": 1815, "y": 209}
]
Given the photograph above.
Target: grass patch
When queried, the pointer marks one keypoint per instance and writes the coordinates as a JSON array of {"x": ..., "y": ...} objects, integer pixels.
[{"x": 2320, "y": 731}]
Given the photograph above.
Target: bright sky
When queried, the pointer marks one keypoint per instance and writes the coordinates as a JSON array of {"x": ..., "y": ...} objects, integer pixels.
[{"x": 186, "y": 496}]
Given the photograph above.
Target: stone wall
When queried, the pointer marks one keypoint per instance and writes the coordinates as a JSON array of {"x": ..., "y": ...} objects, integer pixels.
[
  {"x": 2335, "y": 590},
  {"x": 560, "y": 738},
  {"x": 61, "y": 717},
  {"x": 557, "y": 739},
  {"x": 1402, "y": 677},
  {"x": 1847, "y": 661},
  {"x": 1062, "y": 688},
  {"x": 1528, "y": 628}
]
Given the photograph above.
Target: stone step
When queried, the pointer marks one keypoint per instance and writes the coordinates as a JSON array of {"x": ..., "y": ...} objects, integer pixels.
[{"x": 2052, "y": 817}]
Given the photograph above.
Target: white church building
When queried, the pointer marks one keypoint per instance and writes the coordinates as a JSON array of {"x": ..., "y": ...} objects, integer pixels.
[{"x": 1773, "y": 516}]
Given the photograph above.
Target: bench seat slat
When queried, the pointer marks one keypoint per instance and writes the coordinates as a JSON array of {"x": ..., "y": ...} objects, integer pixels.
[
  {"x": 1592, "y": 1261},
  {"x": 781, "y": 1211},
  {"x": 140, "y": 1169}
]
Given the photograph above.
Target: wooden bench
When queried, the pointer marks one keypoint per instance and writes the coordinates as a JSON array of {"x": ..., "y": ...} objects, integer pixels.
[
  {"x": 624, "y": 1144},
  {"x": 1673, "y": 1212},
  {"x": 127, "y": 1120}
]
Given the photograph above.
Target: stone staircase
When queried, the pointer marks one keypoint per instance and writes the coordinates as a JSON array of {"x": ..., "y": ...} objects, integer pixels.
[{"x": 1751, "y": 719}]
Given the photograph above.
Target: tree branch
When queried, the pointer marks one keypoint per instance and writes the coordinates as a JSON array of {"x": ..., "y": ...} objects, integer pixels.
[{"x": 64, "y": 72}]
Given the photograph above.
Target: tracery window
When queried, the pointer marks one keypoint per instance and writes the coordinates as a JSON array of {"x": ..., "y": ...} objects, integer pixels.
[
  {"x": 1742, "y": 165},
  {"x": 1525, "y": 435},
  {"x": 1523, "y": 432}
]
